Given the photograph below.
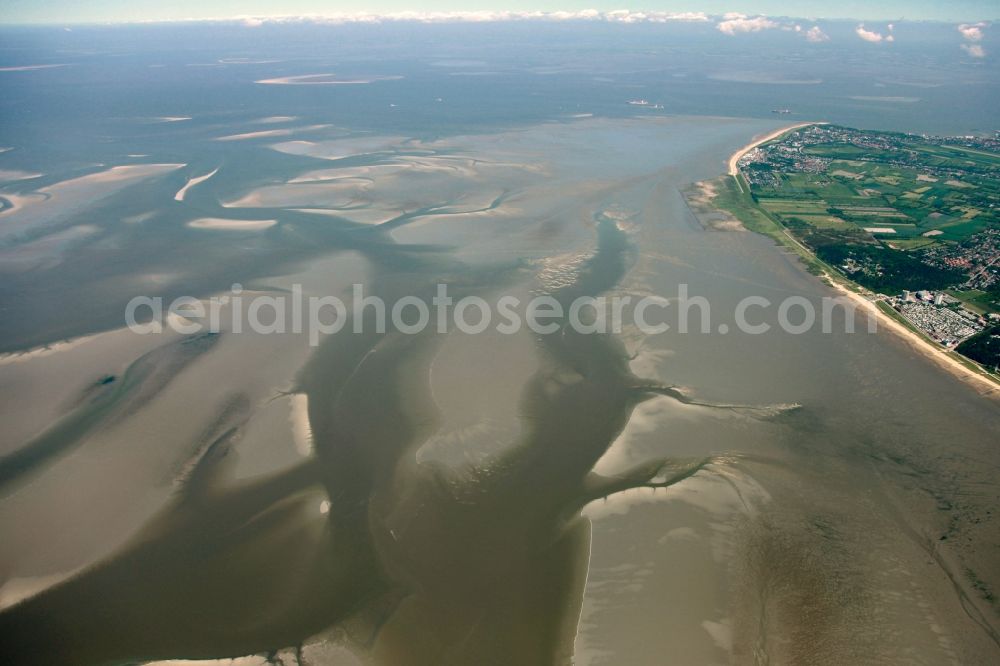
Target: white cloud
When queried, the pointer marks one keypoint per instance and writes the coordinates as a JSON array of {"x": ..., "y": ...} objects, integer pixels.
[
  {"x": 616, "y": 16},
  {"x": 974, "y": 50},
  {"x": 815, "y": 35},
  {"x": 626, "y": 16},
  {"x": 870, "y": 35},
  {"x": 740, "y": 23},
  {"x": 684, "y": 16},
  {"x": 731, "y": 23},
  {"x": 972, "y": 31}
]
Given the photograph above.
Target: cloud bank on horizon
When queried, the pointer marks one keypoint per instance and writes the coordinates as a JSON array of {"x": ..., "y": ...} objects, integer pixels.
[
  {"x": 68, "y": 12},
  {"x": 732, "y": 24},
  {"x": 875, "y": 37},
  {"x": 973, "y": 33},
  {"x": 484, "y": 16}
]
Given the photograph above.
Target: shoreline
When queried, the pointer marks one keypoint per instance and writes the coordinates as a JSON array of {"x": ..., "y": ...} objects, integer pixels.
[
  {"x": 735, "y": 157},
  {"x": 934, "y": 353}
]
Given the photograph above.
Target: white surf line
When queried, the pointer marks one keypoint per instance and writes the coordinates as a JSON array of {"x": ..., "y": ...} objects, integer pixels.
[{"x": 181, "y": 193}]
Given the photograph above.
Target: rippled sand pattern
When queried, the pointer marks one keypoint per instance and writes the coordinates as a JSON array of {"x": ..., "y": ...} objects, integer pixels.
[{"x": 447, "y": 499}]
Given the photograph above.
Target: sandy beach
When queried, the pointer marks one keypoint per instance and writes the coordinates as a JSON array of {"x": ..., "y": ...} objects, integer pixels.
[
  {"x": 733, "y": 169},
  {"x": 931, "y": 351},
  {"x": 938, "y": 355}
]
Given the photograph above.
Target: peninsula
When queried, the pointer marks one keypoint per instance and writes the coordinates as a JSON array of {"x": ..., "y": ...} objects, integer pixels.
[{"x": 905, "y": 225}]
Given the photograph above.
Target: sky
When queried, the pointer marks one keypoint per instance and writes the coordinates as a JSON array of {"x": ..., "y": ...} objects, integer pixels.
[{"x": 102, "y": 11}]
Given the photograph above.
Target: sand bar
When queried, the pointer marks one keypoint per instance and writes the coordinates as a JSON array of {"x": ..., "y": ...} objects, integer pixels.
[
  {"x": 322, "y": 80},
  {"x": 181, "y": 193},
  {"x": 223, "y": 224},
  {"x": 30, "y": 68}
]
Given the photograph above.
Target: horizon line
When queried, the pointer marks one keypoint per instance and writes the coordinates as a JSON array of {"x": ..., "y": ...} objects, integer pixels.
[{"x": 620, "y": 16}]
